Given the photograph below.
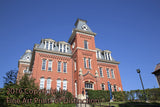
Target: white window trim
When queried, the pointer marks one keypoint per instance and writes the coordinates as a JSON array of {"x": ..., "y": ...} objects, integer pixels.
[
  {"x": 60, "y": 66},
  {"x": 45, "y": 64},
  {"x": 59, "y": 84},
  {"x": 108, "y": 76},
  {"x": 76, "y": 89},
  {"x": 112, "y": 74},
  {"x": 51, "y": 65},
  {"x": 85, "y": 62},
  {"x": 75, "y": 65},
  {"x": 42, "y": 83},
  {"x": 100, "y": 72},
  {"x": 49, "y": 84},
  {"x": 63, "y": 84}
]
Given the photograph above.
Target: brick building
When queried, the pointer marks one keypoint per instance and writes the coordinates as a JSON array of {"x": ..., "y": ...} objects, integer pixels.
[{"x": 76, "y": 65}]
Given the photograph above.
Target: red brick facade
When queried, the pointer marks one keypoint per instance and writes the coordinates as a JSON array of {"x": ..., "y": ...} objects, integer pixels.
[{"x": 79, "y": 75}]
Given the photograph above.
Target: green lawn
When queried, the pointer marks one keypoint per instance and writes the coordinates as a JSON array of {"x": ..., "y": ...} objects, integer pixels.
[{"x": 127, "y": 104}]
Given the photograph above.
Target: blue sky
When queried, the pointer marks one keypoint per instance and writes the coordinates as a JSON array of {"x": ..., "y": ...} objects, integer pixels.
[{"x": 129, "y": 28}]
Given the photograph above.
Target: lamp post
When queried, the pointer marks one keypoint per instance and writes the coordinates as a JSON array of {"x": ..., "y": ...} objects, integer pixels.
[{"x": 138, "y": 71}]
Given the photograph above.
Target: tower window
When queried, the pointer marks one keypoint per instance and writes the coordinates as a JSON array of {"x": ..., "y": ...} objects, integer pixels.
[
  {"x": 112, "y": 73},
  {"x": 85, "y": 44},
  {"x": 89, "y": 63},
  {"x": 88, "y": 85}
]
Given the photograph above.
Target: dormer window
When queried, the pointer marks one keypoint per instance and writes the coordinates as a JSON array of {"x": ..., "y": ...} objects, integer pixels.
[
  {"x": 47, "y": 45},
  {"x": 62, "y": 47},
  {"x": 51, "y": 45},
  {"x": 98, "y": 55}
]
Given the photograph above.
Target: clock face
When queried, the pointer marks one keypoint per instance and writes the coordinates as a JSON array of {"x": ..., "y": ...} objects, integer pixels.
[{"x": 84, "y": 27}]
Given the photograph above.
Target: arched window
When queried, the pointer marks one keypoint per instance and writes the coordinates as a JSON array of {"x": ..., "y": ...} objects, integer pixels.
[
  {"x": 64, "y": 84},
  {"x": 48, "y": 84},
  {"x": 42, "y": 80},
  {"x": 58, "y": 84}
]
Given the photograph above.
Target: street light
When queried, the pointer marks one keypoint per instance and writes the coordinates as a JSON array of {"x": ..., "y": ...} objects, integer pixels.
[{"x": 138, "y": 71}]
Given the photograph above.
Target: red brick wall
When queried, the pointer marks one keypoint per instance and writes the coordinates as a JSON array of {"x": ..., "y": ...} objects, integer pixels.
[{"x": 54, "y": 74}]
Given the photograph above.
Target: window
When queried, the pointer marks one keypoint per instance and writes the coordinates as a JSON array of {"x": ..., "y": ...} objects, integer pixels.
[
  {"x": 49, "y": 65},
  {"x": 64, "y": 48},
  {"x": 64, "y": 67},
  {"x": 48, "y": 84},
  {"x": 106, "y": 57},
  {"x": 88, "y": 85},
  {"x": 85, "y": 64},
  {"x": 47, "y": 45},
  {"x": 75, "y": 66},
  {"x": 60, "y": 49},
  {"x": 50, "y": 45},
  {"x": 59, "y": 66},
  {"x": 101, "y": 72},
  {"x": 109, "y": 56},
  {"x": 119, "y": 88},
  {"x": 112, "y": 73},
  {"x": 42, "y": 83},
  {"x": 58, "y": 84},
  {"x": 115, "y": 88},
  {"x": 98, "y": 54},
  {"x": 76, "y": 89},
  {"x": 108, "y": 74},
  {"x": 85, "y": 44},
  {"x": 64, "y": 84},
  {"x": 103, "y": 86},
  {"x": 89, "y": 63},
  {"x": 44, "y": 64}
]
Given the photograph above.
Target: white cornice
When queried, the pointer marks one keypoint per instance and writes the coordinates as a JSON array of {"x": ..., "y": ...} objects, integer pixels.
[
  {"x": 107, "y": 61},
  {"x": 53, "y": 52}
]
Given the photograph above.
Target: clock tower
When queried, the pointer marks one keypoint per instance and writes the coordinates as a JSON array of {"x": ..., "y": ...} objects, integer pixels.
[{"x": 84, "y": 57}]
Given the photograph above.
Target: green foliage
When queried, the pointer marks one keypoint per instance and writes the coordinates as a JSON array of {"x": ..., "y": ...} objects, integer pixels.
[
  {"x": 133, "y": 95},
  {"x": 100, "y": 95}
]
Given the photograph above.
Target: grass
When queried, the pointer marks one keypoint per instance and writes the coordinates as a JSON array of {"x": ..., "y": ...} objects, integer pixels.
[{"x": 127, "y": 104}]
